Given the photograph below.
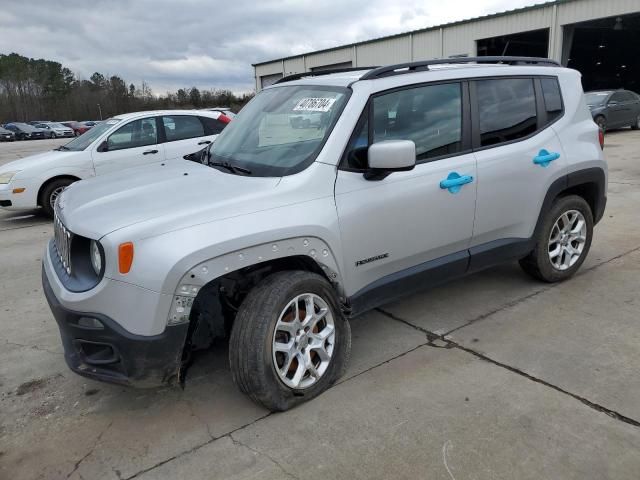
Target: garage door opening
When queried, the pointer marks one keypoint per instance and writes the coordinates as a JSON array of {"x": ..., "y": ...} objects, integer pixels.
[
  {"x": 528, "y": 44},
  {"x": 605, "y": 52}
]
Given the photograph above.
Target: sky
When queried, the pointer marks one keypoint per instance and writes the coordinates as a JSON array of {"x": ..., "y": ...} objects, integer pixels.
[{"x": 209, "y": 43}]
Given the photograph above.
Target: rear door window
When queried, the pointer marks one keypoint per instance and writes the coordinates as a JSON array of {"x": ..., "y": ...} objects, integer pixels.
[
  {"x": 506, "y": 110},
  {"x": 182, "y": 127}
]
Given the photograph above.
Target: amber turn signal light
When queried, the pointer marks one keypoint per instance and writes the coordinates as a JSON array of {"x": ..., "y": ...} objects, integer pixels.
[{"x": 125, "y": 257}]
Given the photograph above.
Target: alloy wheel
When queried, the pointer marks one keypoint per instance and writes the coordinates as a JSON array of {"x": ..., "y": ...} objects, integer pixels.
[
  {"x": 567, "y": 239},
  {"x": 303, "y": 341},
  {"x": 54, "y": 196}
]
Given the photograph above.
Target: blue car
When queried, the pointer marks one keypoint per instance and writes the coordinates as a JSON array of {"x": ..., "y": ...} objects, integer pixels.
[{"x": 614, "y": 108}]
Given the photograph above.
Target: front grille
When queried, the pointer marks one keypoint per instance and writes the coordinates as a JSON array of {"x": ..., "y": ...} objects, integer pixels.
[{"x": 62, "y": 240}]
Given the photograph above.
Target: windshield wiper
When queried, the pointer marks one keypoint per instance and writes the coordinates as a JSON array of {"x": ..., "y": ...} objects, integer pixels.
[
  {"x": 231, "y": 168},
  {"x": 61, "y": 147}
]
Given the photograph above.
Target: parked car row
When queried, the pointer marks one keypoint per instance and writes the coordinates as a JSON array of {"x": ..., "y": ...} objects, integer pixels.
[{"x": 39, "y": 129}]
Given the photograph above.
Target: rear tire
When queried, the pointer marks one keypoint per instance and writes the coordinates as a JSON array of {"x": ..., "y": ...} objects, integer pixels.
[
  {"x": 50, "y": 193},
  {"x": 601, "y": 122},
  {"x": 636, "y": 126},
  {"x": 562, "y": 242},
  {"x": 281, "y": 356}
]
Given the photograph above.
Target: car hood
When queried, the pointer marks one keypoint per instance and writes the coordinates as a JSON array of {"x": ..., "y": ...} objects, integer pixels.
[
  {"x": 159, "y": 197},
  {"x": 38, "y": 160}
]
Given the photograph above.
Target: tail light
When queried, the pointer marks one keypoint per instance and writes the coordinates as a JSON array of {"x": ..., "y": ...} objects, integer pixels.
[
  {"x": 601, "y": 138},
  {"x": 223, "y": 118}
]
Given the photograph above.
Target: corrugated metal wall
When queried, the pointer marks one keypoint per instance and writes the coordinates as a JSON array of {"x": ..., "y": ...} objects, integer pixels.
[
  {"x": 457, "y": 39},
  {"x": 384, "y": 52},
  {"x": 461, "y": 39}
]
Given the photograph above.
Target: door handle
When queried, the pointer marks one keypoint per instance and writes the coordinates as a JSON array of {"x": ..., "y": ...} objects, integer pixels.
[
  {"x": 454, "y": 182},
  {"x": 204, "y": 142},
  {"x": 150, "y": 152},
  {"x": 544, "y": 158}
]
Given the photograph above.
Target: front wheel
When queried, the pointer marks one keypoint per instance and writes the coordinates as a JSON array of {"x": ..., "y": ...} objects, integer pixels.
[
  {"x": 53, "y": 135},
  {"x": 51, "y": 193},
  {"x": 636, "y": 125},
  {"x": 562, "y": 242},
  {"x": 290, "y": 341},
  {"x": 601, "y": 122}
]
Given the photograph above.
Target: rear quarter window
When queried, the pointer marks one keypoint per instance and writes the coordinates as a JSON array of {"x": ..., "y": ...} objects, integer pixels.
[{"x": 552, "y": 98}]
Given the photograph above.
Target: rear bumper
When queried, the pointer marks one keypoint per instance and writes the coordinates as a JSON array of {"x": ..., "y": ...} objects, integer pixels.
[{"x": 111, "y": 354}]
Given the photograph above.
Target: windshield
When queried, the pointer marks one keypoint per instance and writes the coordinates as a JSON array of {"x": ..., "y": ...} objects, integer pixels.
[
  {"x": 56, "y": 125},
  {"x": 281, "y": 131},
  {"x": 596, "y": 98},
  {"x": 86, "y": 139}
]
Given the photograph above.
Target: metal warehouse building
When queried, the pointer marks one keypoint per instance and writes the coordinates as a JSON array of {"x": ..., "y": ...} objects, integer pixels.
[{"x": 600, "y": 38}]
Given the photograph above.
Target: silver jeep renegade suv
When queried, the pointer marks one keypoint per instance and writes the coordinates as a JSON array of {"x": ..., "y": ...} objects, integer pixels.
[{"x": 403, "y": 177}]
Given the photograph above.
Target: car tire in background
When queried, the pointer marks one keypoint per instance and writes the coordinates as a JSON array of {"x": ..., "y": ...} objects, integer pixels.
[
  {"x": 50, "y": 193},
  {"x": 636, "y": 126},
  {"x": 281, "y": 355},
  {"x": 562, "y": 242},
  {"x": 53, "y": 135},
  {"x": 601, "y": 122}
]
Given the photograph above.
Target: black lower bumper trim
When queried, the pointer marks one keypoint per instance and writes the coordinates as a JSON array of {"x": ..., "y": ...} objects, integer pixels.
[
  {"x": 112, "y": 354},
  {"x": 5, "y": 203}
]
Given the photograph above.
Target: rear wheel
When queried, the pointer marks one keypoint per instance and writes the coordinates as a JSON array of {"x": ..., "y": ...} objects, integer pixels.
[
  {"x": 601, "y": 122},
  {"x": 636, "y": 125},
  {"x": 290, "y": 341},
  {"x": 563, "y": 241},
  {"x": 51, "y": 192}
]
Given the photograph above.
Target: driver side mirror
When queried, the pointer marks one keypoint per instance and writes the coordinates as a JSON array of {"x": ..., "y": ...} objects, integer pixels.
[
  {"x": 390, "y": 156},
  {"x": 104, "y": 147},
  {"x": 612, "y": 103}
]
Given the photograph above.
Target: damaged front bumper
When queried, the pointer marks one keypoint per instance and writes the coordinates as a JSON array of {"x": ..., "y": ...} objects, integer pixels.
[{"x": 97, "y": 347}]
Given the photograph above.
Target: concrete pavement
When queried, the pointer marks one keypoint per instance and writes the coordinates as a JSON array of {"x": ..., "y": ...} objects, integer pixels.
[{"x": 494, "y": 376}]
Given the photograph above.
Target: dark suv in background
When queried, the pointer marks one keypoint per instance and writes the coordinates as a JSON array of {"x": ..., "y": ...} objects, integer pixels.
[
  {"x": 24, "y": 131},
  {"x": 614, "y": 108}
]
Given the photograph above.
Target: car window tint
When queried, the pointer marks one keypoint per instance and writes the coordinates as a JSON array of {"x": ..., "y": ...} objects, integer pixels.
[
  {"x": 134, "y": 134},
  {"x": 552, "y": 98},
  {"x": 430, "y": 116},
  {"x": 181, "y": 127},
  {"x": 212, "y": 126},
  {"x": 507, "y": 110},
  {"x": 617, "y": 97}
]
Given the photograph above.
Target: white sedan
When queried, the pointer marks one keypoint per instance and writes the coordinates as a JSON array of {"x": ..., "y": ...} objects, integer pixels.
[{"x": 121, "y": 142}]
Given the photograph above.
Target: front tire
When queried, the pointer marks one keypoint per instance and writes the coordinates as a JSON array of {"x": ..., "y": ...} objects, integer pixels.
[
  {"x": 636, "y": 125},
  {"x": 50, "y": 194},
  {"x": 562, "y": 242},
  {"x": 280, "y": 353},
  {"x": 601, "y": 122}
]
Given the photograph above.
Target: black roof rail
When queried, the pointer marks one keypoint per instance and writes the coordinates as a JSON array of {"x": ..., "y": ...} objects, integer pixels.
[
  {"x": 410, "y": 67},
  {"x": 298, "y": 76}
]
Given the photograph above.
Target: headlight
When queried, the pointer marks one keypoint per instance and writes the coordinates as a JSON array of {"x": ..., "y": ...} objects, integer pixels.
[
  {"x": 6, "y": 177},
  {"x": 96, "y": 257}
]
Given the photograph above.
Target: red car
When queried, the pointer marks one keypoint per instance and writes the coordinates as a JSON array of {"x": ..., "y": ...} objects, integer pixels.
[{"x": 77, "y": 127}]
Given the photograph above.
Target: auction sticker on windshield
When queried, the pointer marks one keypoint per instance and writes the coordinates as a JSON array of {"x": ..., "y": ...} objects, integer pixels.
[{"x": 314, "y": 105}]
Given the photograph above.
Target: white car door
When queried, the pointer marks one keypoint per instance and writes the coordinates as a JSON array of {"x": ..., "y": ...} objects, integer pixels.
[
  {"x": 186, "y": 134},
  {"x": 413, "y": 225},
  {"x": 519, "y": 156},
  {"x": 133, "y": 144}
]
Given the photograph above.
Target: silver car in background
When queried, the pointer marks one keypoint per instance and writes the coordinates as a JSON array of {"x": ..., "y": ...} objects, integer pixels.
[{"x": 417, "y": 174}]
